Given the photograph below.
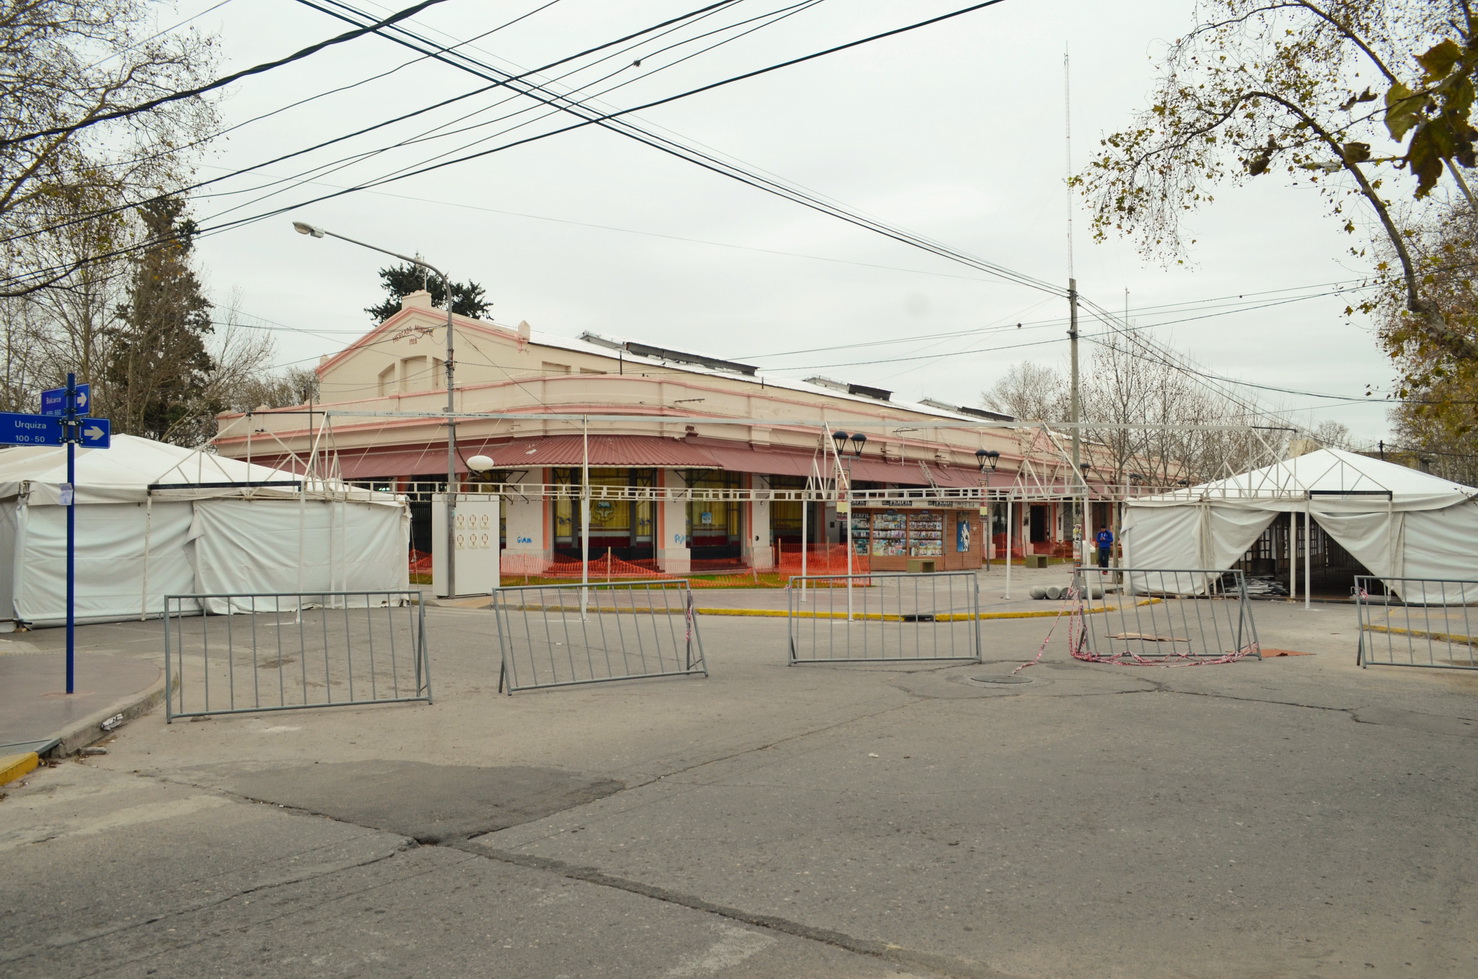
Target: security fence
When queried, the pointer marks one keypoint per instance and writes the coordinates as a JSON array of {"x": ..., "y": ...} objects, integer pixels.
[
  {"x": 1417, "y": 622},
  {"x": 884, "y": 618},
  {"x": 292, "y": 651},
  {"x": 1145, "y": 616},
  {"x": 565, "y": 635}
]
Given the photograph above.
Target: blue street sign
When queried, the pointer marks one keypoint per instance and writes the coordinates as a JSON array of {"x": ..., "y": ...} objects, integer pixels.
[
  {"x": 95, "y": 433},
  {"x": 92, "y": 433},
  {"x": 30, "y": 429},
  {"x": 54, "y": 402}
]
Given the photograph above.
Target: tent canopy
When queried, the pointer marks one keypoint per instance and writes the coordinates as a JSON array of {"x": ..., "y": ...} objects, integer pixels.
[
  {"x": 126, "y": 472},
  {"x": 1332, "y": 479},
  {"x": 153, "y": 520},
  {"x": 1397, "y": 522}
]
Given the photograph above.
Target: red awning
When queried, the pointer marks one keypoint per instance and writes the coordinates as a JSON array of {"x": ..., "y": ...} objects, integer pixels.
[
  {"x": 746, "y": 459},
  {"x": 637, "y": 451},
  {"x": 427, "y": 461}
]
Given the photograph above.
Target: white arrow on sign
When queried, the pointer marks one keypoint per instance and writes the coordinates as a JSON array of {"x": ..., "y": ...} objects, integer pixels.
[
  {"x": 94, "y": 433},
  {"x": 82, "y": 401}
]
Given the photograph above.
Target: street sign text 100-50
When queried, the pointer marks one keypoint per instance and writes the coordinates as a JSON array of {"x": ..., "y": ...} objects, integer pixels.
[{"x": 16, "y": 429}]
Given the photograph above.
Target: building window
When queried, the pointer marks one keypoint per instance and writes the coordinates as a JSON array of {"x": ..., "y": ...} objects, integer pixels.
[
  {"x": 714, "y": 526},
  {"x": 619, "y": 525}
]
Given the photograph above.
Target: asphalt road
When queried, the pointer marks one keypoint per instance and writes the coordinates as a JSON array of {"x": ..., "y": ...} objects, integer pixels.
[{"x": 1291, "y": 817}]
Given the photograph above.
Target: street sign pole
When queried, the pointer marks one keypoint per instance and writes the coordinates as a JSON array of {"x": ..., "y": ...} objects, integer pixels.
[
  {"x": 69, "y": 425},
  {"x": 61, "y": 421}
]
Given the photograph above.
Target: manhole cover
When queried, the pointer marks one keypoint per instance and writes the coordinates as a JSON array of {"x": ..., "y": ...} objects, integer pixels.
[{"x": 1002, "y": 679}]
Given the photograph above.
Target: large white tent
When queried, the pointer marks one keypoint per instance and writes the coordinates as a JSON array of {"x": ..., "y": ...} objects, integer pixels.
[
  {"x": 1397, "y": 522},
  {"x": 153, "y": 520}
]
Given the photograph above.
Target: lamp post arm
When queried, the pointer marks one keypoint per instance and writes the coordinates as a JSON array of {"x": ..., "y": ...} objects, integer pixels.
[
  {"x": 451, "y": 391},
  {"x": 422, "y": 263}
]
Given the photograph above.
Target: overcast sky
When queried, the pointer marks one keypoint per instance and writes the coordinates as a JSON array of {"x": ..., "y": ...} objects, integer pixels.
[{"x": 956, "y": 132}]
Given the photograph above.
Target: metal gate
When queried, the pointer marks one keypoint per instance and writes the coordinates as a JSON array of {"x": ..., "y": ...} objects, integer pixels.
[
  {"x": 884, "y": 618},
  {"x": 1162, "y": 617},
  {"x": 565, "y": 635},
  {"x": 291, "y": 651},
  {"x": 1421, "y": 622}
]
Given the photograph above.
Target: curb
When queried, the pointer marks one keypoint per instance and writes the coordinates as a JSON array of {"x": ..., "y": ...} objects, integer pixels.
[
  {"x": 90, "y": 730},
  {"x": 13, "y": 767}
]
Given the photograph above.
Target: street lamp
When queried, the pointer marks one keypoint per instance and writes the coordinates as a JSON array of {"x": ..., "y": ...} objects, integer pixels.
[
  {"x": 858, "y": 440},
  {"x": 450, "y": 543},
  {"x": 481, "y": 464},
  {"x": 988, "y": 459}
]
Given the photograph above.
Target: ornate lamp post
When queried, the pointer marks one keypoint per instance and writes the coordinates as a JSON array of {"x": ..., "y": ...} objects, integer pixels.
[
  {"x": 988, "y": 459},
  {"x": 844, "y": 503}
]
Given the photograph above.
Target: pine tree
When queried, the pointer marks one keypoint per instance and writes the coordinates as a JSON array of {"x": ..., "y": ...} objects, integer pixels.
[
  {"x": 158, "y": 371},
  {"x": 401, "y": 280}
]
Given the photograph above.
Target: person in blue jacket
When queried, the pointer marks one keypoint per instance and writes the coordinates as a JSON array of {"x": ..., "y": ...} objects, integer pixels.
[{"x": 1104, "y": 540}]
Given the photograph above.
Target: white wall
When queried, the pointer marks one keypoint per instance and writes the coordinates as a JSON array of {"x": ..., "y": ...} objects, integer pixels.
[{"x": 674, "y": 553}]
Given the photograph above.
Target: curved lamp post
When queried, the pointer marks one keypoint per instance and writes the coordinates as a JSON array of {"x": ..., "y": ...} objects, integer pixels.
[{"x": 450, "y": 543}]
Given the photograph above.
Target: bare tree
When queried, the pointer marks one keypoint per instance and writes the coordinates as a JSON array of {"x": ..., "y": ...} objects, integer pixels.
[
  {"x": 1146, "y": 420},
  {"x": 67, "y": 65},
  {"x": 1030, "y": 392}
]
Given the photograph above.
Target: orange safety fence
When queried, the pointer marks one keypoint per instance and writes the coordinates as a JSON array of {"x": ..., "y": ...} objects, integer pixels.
[{"x": 821, "y": 559}]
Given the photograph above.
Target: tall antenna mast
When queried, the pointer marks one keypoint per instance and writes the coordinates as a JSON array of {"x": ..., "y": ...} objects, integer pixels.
[{"x": 1072, "y": 304}]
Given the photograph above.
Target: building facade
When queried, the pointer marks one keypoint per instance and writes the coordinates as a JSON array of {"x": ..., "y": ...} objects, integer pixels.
[{"x": 688, "y": 462}]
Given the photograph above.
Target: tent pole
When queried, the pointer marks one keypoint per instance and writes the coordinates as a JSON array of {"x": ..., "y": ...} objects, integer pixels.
[
  {"x": 148, "y": 538},
  {"x": 1010, "y": 519},
  {"x": 1308, "y": 555},
  {"x": 1293, "y": 556}
]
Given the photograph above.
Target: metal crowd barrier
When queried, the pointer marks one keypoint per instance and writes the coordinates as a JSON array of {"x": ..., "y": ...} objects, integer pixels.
[
  {"x": 565, "y": 635},
  {"x": 1146, "y": 615},
  {"x": 292, "y": 651},
  {"x": 884, "y": 617},
  {"x": 1427, "y": 622}
]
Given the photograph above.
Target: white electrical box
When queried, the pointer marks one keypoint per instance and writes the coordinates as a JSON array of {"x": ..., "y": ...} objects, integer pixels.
[{"x": 475, "y": 547}]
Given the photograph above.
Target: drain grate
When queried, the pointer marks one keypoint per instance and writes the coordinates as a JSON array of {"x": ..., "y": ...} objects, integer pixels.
[{"x": 1001, "y": 680}]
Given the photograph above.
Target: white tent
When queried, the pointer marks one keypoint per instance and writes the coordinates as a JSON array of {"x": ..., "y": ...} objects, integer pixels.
[
  {"x": 1397, "y": 522},
  {"x": 153, "y": 520}
]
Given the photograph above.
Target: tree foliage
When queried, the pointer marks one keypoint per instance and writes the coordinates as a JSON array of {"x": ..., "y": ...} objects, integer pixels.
[
  {"x": 402, "y": 280},
  {"x": 1350, "y": 96},
  {"x": 1437, "y": 416}
]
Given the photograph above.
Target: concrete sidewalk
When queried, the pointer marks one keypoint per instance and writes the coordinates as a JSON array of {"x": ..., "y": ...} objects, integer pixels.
[{"x": 118, "y": 667}]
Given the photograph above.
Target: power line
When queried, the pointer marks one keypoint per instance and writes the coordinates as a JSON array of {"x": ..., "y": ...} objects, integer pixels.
[
  {"x": 611, "y": 120},
  {"x": 57, "y": 272}
]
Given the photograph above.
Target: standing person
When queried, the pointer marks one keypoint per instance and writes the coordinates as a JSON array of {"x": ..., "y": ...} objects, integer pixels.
[{"x": 1104, "y": 540}]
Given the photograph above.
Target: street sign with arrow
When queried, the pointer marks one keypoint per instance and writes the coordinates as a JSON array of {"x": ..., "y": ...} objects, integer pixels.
[{"x": 54, "y": 401}]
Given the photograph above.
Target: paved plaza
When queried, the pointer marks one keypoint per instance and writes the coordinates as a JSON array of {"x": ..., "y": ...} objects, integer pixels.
[{"x": 1294, "y": 816}]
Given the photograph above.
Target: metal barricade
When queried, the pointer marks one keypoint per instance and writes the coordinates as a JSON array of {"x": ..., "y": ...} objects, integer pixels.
[
  {"x": 565, "y": 635},
  {"x": 287, "y": 651},
  {"x": 1151, "y": 616},
  {"x": 884, "y": 618},
  {"x": 1431, "y": 622}
]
